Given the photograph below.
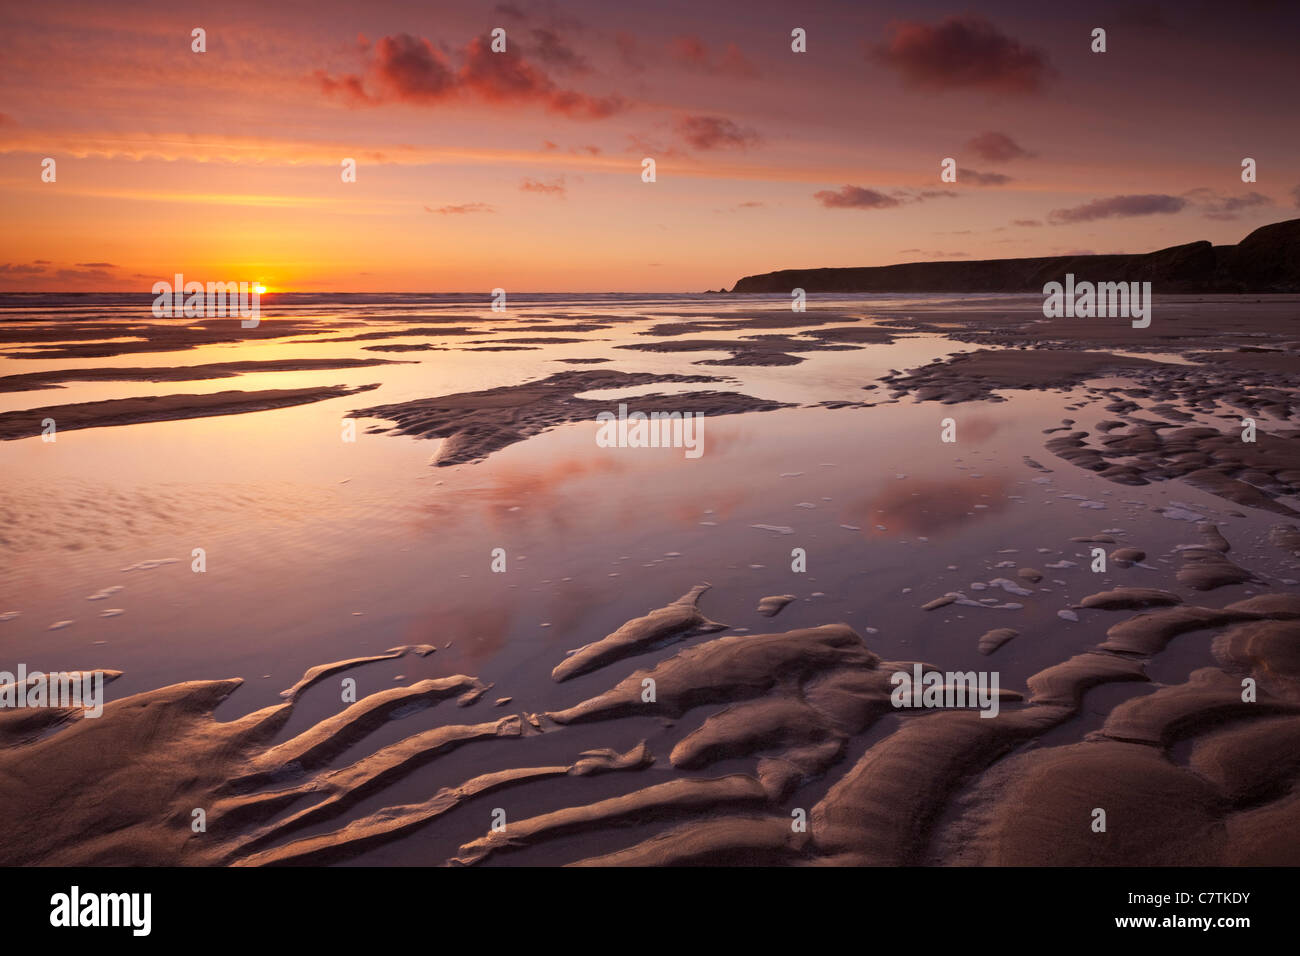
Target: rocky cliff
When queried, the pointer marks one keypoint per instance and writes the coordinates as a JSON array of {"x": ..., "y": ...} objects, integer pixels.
[{"x": 1267, "y": 260}]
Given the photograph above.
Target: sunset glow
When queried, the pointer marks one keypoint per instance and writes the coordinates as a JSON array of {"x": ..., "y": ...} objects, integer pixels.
[{"x": 522, "y": 170}]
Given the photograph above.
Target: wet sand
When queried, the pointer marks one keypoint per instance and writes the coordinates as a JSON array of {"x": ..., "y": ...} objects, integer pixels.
[
  {"x": 1164, "y": 690},
  {"x": 162, "y": 408},
  {"x": 786, "y": 705},
  {"x": 475, "y": 424},
  {"x": 54, "y": 378}
]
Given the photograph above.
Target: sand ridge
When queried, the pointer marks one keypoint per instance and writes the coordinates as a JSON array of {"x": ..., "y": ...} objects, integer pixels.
[{"x": 786, "y": 705}]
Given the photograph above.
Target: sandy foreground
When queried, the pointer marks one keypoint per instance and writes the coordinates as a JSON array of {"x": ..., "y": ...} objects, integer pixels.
[{"x": 772, "y": 736}]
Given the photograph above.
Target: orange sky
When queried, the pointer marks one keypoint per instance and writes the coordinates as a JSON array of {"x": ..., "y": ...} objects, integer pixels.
[{"x": 522, "y": 170}]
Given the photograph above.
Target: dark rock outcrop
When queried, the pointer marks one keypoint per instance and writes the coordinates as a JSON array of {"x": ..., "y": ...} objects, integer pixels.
[{"x": 1267, "y": 260}]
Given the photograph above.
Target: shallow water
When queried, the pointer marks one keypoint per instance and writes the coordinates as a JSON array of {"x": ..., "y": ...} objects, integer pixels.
[{"x": 318, "y": 549}]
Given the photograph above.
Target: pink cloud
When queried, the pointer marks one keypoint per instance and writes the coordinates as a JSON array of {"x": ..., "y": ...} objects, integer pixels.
[
  {"x": 548, "y": 47},
  {"x": 975, "y": 177},
  {"x": 997, "y": 147},
  {"x": 629, "y": 51},
  {"x": 412, "y": 70},
  {"x": 1119, "y": 206},
  {"x": 347, "y": 87},
  {"x": 855, "y": 197},
  {"x": 858, "y": 197},
  {"x": 963, "y": 52},
  {"x": 461, "y": 209},
  {"x": 715, "y": 132},
  {"x": 1225, "y": 208},
  {"x": 555, "y": 187},
  {"x": 694, "y": 54},
  {"x": 408, "y": 69}
]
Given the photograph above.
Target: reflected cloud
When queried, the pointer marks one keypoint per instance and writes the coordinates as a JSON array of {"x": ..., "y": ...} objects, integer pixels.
[{"x": 922, "y": 506}]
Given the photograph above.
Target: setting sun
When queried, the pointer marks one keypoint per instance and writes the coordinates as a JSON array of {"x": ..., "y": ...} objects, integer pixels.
[{"x": 728, "y": 434}]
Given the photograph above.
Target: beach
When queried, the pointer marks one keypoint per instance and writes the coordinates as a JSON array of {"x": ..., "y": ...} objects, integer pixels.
[{"x": 409, "y": 492}]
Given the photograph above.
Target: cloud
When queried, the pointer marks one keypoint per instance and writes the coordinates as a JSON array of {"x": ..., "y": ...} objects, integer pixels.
[
  {"x": 1026, "y": 222},
  {"x": 935, "y": 254},
  {"x": 963, "y": 52},
  {"x": 715, "y": 132},
  {"x": 7, "y": 120},
  {"x": 21, "y": 269},
  {"x": 501, "y": 77},
  {"x": 407, "y": 69},
  {"x": 93, "y": 275},
  {"x": 855, "y": 197},
  {"x": 412, "y": 70},
  {"x": 1118, "y": 207},
  {"x": 643, "y": 146},
  {"x": 462, "y": 209},
  {"x": 629, "y": 51},
  {"x": 574, "y": 104},
  {"x": 509, "y": 10},
  {"x": 551, "y": 50},
  {"x": 82, "y": 275},
  {"x": 693, "y": 53},
  {"x": 997, "y": 147},
  {"x": 555, "y": 187},
  {"x": 1225, "y": 208},
  {"x": 348, "y": 87},
  {"x": 981, "y": 179}
]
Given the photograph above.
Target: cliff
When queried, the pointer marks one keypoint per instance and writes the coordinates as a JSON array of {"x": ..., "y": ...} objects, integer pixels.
[{"x": 1267, "y": 260}]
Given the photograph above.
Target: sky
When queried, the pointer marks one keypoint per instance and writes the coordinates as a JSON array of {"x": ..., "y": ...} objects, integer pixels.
[{"x": 522, "y": 169}]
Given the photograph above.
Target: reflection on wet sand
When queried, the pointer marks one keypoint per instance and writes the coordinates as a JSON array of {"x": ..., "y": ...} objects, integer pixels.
[
  {"x": 922, "y": 506},
  {"x": 768, "y": 695}
]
